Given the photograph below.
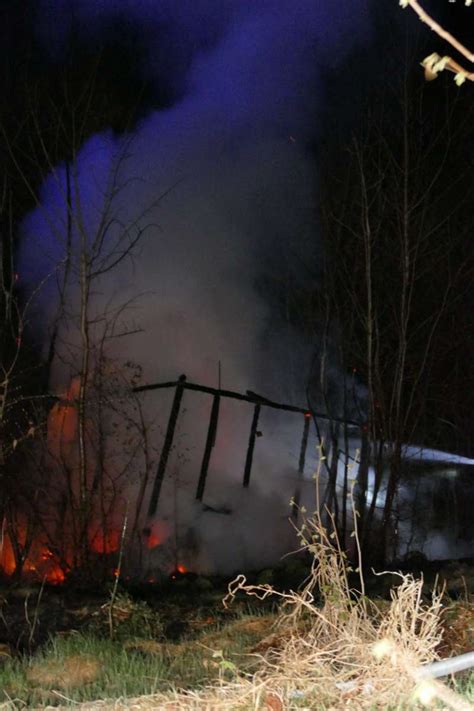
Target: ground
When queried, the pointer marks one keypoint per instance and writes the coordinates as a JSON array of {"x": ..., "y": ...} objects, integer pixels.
[{"x": 64, "y": 645}]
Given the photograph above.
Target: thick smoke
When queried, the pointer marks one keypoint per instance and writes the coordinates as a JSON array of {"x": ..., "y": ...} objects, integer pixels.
[
  {"x": 233, "y": 154},
  {"x": 225, "y": 184}
]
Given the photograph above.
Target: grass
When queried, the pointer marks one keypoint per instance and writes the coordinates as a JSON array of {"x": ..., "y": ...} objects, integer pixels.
[
  {"x": 464, "y": 685},
  {"x": 83, "y": 667},
  {"x": 329, "y": 647},
  {"x": 79, "y": 668}
]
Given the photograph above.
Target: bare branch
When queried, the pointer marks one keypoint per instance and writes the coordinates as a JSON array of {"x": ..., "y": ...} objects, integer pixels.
[{"x": 434, "y": 63}]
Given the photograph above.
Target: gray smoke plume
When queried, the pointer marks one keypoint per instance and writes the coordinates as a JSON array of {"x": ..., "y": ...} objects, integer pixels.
[{"x": 225, "y": 184}]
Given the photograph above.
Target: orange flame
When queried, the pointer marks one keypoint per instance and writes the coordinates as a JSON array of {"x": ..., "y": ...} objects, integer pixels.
[
  {"x": 7, "y": 558},
  {"x": 105, "y": 542},
  {"x": 43, "y": 563},
  {"x": 55, "y": 576},
  {"x": 155, "y": 534},
  {"x": 45, "y": 568},
  {"x": 63, "y": 420},
  {"x": 152, "y": 541}
]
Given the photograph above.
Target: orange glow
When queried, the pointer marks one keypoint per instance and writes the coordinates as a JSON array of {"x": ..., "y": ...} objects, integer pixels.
[
  {"x": 55, "y": 576},
  {"x": 7, "y": 558},
  {"x": 63, "y": 420},
  {"x": 105, "y": 542},
  {"x": 181, "y": 569},
  {"x": 152, "y": 541},
  {"x": 155, "y": 534},
  {"x": 41, "y": 563},
  {"x": 44, "y": 563}
]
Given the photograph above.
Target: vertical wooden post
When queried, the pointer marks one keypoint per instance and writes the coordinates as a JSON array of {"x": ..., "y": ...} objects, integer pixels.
[
  {"x": 253, "y": 434},
  {"x": 173, "y": 418},
  {"x": 304, "y": 444},
  {"x": 210, "y": 442}
]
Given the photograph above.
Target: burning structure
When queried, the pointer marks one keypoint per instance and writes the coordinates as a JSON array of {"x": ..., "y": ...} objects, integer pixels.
[
  {"x": 173, "y": 248},
  {"x": 161, "y": 501}
]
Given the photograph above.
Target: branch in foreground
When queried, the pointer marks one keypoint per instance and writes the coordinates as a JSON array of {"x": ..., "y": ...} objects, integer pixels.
[{"x": 434, "y": 63}]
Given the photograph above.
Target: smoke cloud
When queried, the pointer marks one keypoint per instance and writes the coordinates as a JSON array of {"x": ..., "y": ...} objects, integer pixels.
[{"x": 225, "y": 184}]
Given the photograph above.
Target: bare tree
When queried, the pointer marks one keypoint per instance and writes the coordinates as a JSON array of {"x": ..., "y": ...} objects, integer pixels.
[
  {"x": 394, "y": 225},
  {"x": 18, "y": 424},
  {"x": 74, "y": 444}
]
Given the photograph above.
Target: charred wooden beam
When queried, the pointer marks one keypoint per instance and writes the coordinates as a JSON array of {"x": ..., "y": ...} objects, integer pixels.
[
  {"x": 210, "y": 442},
  {"x": 251, "y": 447},
  {"x": 225, "y": 510},
  {"x": 173, "y": 418},
  {"x": 249, "y": 397},
  {"x": 304, "y": 442},
  {"x": 155, "y": 386},
  {"x": 295, "y": 504}
]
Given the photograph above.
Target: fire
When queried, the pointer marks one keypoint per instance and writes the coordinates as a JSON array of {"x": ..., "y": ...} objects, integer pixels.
[
  {"x": 63, "y": 421},
  {"x": 154, "y": 535},
  {"x": 179, "y": 570},
  {"x": 105, "y": 542},
  {"x": 152, "y": 541},
  {"x": 55, "y": 576},
  {"x": 7, "y": 558},
  {"x": 41, "y": 564}
]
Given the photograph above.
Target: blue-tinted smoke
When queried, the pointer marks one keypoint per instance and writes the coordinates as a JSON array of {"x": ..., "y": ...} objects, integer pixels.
[{"x": 224, "y": 184}]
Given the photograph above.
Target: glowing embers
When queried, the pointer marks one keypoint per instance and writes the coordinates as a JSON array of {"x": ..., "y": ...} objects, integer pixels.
[
  {"x": 155, "y": 535},
  {"x": 31, "y": 556},
  {"x": 37, "y": 562},
  {"x": 7, "y": 557},
  {"x": 105, "y": 542},
  {"x": 27, "y": 555},
  {"x": 55, "y": 576},
  {"x": 179, "y": 571},
  {"x": 63, "y": 422}
]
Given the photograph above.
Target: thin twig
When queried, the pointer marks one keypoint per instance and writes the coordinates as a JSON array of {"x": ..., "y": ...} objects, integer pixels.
[
  {"x": 440, "y": 31},
  {"x": 435, "y": 63},
  {"x": 117, "y": 576}
]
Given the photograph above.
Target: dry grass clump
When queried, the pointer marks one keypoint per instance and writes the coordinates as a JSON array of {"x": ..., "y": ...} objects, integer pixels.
[
  {"x": 333, "y": 647},
  {"x": 123, "y": 617},
  {"x": 339, "y": 649},
  {"x": 458, "y": 625},
  {"x": 65, "y": 673}
]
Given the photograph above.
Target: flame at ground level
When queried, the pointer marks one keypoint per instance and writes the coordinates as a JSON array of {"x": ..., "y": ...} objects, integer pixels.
[
  {"x": 105, "y": 542},
  {"x": 44, "y": 562},
  {"x": 40, "y": 565},
  {"x": 155, "y": 535}
]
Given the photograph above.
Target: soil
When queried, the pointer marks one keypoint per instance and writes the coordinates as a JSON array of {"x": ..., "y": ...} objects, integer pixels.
[{"x": 31, "y": 614}]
